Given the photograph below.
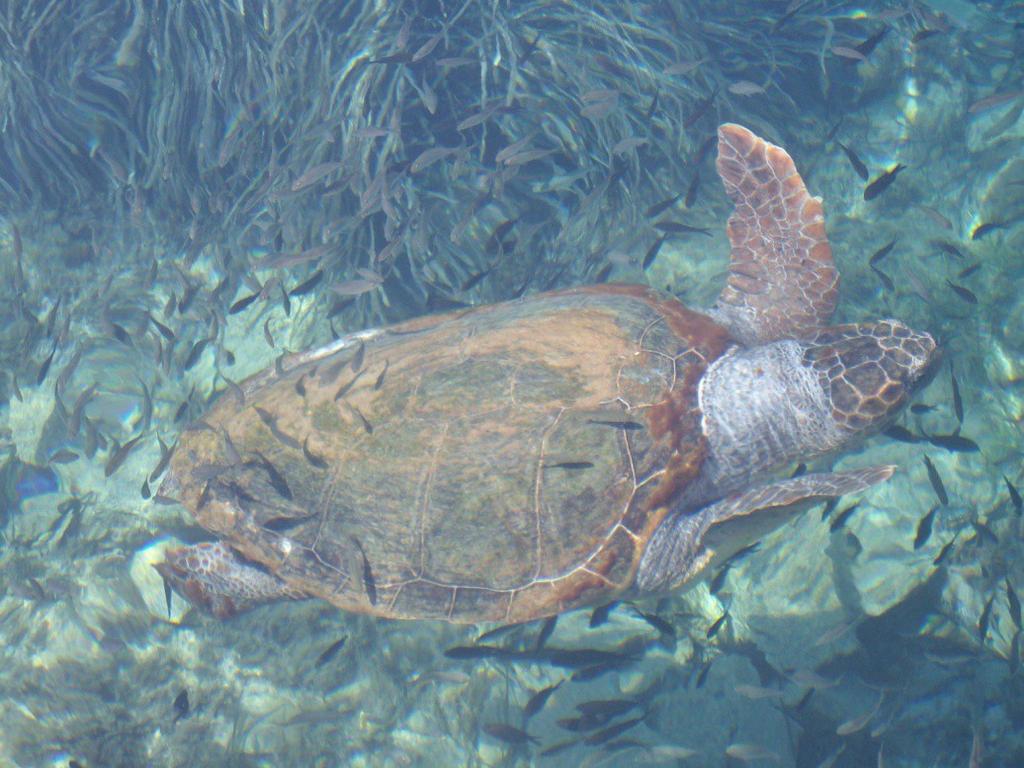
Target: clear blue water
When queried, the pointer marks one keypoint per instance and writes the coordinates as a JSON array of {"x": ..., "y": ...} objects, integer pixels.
[{"x": 190, "y": 191}]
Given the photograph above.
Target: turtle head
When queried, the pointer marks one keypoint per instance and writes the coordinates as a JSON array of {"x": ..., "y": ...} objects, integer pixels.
[
  {"x": 869, "y": 371},
  {"x": 766, "y": 406}
]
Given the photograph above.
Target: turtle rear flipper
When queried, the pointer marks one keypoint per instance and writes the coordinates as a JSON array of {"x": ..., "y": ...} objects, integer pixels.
[
  {"x": 782, "y": 282},
  {"x": 685, "y": 545},
  {"x": 210, "y": 575}
]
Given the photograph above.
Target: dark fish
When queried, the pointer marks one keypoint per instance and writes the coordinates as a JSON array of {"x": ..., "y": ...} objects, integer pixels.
[
  {"x": 858, "y": 166},
  {"x": 609, "y": 733},
  {"x": 145, "y": 491},
  {"x": 964, "y": 293},
  {"x": 1014, "y": 658},
  {"x": 886, "y": 280},
  {"x": 45, "y": 367},
  {"x": 344, "y": 388},
  {"x": 983, "y": 620},
  {"x": 271, "y": 423},
  {"x": 606, "y": 708},
  {"x": 714, "y": 628},
  {"x": 983, "y": 229},
  {"x": 561, "y": 746},
  {"x": 924, "y": 34},
  {"x": 703, "y": 150},
  {"x": 659, "y": 208},
  {"x": 300, "y": 386},
  {"x": 330, "y": 653},
  {"x": 570, "y": 465},
  {"x": 539, "y": 699},
  {"x": 954, "y": 442},
  {"x": 660, "y": 624},
  {"x": 701, "y": 107},
  {"x": 284, "y": 524},
  {"x": 467, "y": 652},
  {"x": 368, "y": 581},
  {"x": 165, "y": 458},
  {"x": 62, "y": 456},
  {"x": 367, "y": 426},
  {"x": 267, "y": 335},
  {"x": 944, "y": 552},
  {"x": 117, "y": 458},
  {"x": 879, "y": 185},
  {"x": 195, "y": 353},
  {"x": 308, "y": 285},
  {"x": 380, "y": 377},
  {"x": 358, "y": 358},
  {"x": 181, "y": 707},
  {"x": 969, "y": 270},
  {"x": 1014, "y": 603},
  {"x": 882, "y": 252},
  {"x": 545, "y": 632},
  {"x": 121, "y": 334},
  {"x": 508, "y": 733},
  {"x": 840, "y": 520},
  {"x": 691, "y": 191},
  {"x": 277, "y": 480},
  {"x": 702, "y": 676},
  {"x": 167, "y": 596},
  {"x": 311, "y": 457},
  {"x": 904, "y": 435},
  {"x": 936, "y": 481},
  {"x": 1018, "y": 503},
  {"x": 600, "y": 614},
  {"x": 625, "y": 425},
  {"x": 924, "y": 529},
  {"x": 946, "y": 247},
  {"x": 920, "y": 408},
  {"x": 166, "y": 332},
  {"x": 801, "y": 469},
  {"x": 869, "y": 45},
  {"x": 652, "y": 252},
  {"x": 677, "y": 227},
  {"x": 242, "y": 303}
]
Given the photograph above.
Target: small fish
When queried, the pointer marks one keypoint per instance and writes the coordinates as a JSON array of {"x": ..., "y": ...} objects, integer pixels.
[
  {"x": 856, "y": 724},
  {"x": 954, "y": 442},
  {"x": 609, "y": 733},
  {"x": 964, "y": 293},
  {"x": 508, "y": 733},
  {"x": 677, "y": 227},
  {"x": 848, "y": 53},
  {"x": 658, "y": 208},
  {"x": 606, "y": 708},
  {"x": 1015, "y": 499},
  {"x": 702, "y": 675},
  {"x": 946, "y": 247},
  {"x": 308, "y": 285},
  {"x": 347, "y": 386},
  {"x": 45, "y": 367},
  {"x": 745, "y": 88},
  {"x": 358, "y": 358},
  {"x": 1014, "y": 604},
  {"x": 660, "y": 624},
  {"x": 936, "y": 481},
  {"x": 652, "y": 252},
  {"x": 920, "y": 408},
  {"x": 969, "y": 270},
  {"x": 882, "y": 252},
  {"x": 700, "y": 109},
  {"x": 570, "y": 465},
  {"x": 367, "y": 426},
  {"x": 270, "y": 421},
  {"x": 62, "y": 456},
  {"x": 601, "y": 613},
  {"x": 842, "y": 517},
  {"x": 545, "y": 632},
  {"x": 181, "y": 706},
  {"x": 330, "y": 653},
  {"x": 944, "y": 552},
  {"x": 924, "y": 34},
  {"x": 886, "y": 280},
  {"x": 984, "y": 533},
  {"x": 623, "y": 425},
  {"x": 958, "y": 405},
  {"x": 858, "y": 165},
  {"x": 983, "y": 229},
  {"x": 936, "y": 217},
  {"x": 311, "y": 457},
  {"x": 312, "y": 175},
  {"x": 194, "y": 354},
  {"x": 882, "y": 183},
  {"x": 166, "y": 332},
  {"x": 380, "y": 377},
  {"x": 995, "y": 100},
  {"x": 717, "y": 625},
  {"x": 369, "y": 584},
  {"x": 691, "y": 191},
  {"x": 537, "y": 701},
  {"x": 924, "y": 529},
  {"x": 901, "y": 433},
  {"x": 983, "y": 620},
  {"x": 118, "y": 457},
  {"x": 277, "y": 480},
  {"x": 242, "y": 303},
  {"x": 750, "y": 752},
  {"x": 1014, "y": 656}
]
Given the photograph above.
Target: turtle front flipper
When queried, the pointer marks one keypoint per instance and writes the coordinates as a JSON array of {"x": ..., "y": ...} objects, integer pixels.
[
  {"x": 782, "y": 282},
  {"x": 688, "y": 545},
  {"x": 211, "y": 576}
]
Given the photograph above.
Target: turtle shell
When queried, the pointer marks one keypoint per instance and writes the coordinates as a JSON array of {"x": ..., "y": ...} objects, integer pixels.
[{"x": 501, "y": 463}]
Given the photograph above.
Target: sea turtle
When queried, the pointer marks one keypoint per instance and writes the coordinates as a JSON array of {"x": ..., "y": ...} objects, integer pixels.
[{"x": 513, "y": 461}]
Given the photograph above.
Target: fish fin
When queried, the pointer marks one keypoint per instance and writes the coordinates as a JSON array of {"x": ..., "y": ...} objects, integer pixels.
[
  {"x": 687, "y": 545},
  {"x": 782, "y": 281},
  {"x": 211, "y": 576}
]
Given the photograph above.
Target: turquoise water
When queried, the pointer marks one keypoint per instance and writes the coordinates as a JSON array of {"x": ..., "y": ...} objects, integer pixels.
[{"x": 190, "y": 191}]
